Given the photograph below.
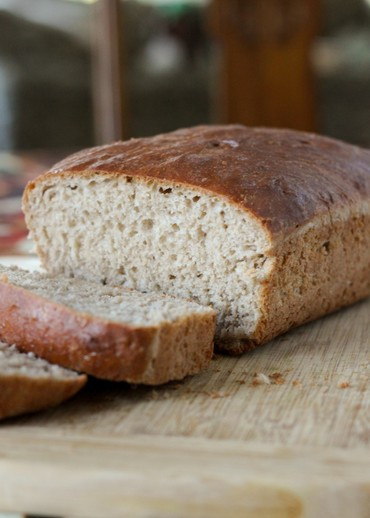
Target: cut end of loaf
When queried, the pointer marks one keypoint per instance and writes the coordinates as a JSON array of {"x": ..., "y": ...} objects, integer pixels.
[{"x": 154, "y": 237}]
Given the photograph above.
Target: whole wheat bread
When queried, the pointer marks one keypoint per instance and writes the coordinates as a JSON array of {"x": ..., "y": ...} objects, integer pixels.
[
  {"x": 271, "y": 227},
  {"x": 110, "y": 333},
  {"x": 28, "y": 384}
]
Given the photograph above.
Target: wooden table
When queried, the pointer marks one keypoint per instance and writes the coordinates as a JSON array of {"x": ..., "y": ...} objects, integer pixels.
[{"x": 219, "y": 444}]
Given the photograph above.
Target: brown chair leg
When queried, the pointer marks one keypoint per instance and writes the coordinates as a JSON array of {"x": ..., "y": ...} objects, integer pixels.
[{"x": 108, "y": 85}]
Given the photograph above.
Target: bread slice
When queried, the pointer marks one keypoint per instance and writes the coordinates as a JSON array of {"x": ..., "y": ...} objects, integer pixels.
[
  {"x": 28, "y": 384},
  {"x": 111, "y": 333},
  {"x": 271, "y": 227}
]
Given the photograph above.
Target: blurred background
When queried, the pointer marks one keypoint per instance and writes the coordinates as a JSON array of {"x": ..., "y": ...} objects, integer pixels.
[{"x": 77, "y": 73}]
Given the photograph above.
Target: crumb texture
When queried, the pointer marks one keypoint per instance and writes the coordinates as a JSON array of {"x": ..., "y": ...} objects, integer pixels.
[
  {"x": 111, "y": 303},
  {"x": 270, "y": 227},
  {"x": 29, "y": 384},
  {"x": 14, "y": 362},
  {"x": 155, "y": 238},
  {"x": 109, "y": 332}
]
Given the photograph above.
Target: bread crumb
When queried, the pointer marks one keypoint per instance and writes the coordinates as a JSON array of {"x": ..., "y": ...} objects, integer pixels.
[
  {"x": 296, "y": 383},
  {"x": 277, "y": 378},
  {"x": 260, "y": 379},
  {"x": 344, "y": 385},
  {"x": 209, "y": 393},
  {"x": 154, "y": 395},
  {"x": 216, "y": 395}
]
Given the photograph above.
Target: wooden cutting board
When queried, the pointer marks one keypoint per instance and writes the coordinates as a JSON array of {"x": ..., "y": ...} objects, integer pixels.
[{"x": 221, "y": 444}]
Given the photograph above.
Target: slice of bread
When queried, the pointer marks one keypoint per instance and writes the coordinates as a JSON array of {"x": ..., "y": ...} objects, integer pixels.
[
  {"x": 108, "y": 332},
  {"x": 28, "y": 384}
]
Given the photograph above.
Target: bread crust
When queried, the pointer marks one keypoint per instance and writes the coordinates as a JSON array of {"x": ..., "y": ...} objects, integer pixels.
[
  {"x": 304, "y": 189},
  {"x": 20, "y": 394},
  {"x": 282, "y": 177},
  {"x": 99, "y": 347},
  {"x": 316, "y": 272}
]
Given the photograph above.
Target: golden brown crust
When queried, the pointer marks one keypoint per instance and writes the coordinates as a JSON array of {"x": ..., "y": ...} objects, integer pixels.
[
  {"x": 305, "y": 189},
  {"x": 191, "y": 359},
  {"x": 22, "y": 394},
  {"x": 74, "y": 340},
  {"x": 88, "y": 344},
  {"x": 283, "y": 177},
  {"x": 315, "y": 273}
]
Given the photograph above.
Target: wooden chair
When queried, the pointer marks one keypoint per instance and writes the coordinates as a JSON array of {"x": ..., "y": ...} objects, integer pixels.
[{"x": 266, "y": 76}]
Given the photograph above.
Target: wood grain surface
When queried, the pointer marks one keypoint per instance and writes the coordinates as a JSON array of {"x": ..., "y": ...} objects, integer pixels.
[
  {"x": 98, "y": 476},
  {"x": 223, "y": 443}
]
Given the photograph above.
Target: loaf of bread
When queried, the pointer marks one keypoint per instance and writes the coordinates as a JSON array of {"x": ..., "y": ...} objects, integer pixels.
[
  {"x": 111, "y": 333},
  {"x": 271, "y": 227},
  {"x": 28, "y": 384}
]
